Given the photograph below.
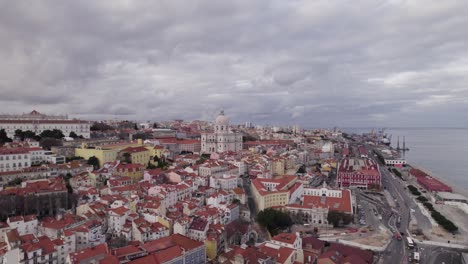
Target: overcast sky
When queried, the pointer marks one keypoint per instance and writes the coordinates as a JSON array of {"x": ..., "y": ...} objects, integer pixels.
[{"x": 314, "y": 63}]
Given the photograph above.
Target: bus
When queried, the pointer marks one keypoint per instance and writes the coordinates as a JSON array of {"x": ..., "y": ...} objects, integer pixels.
[{"x": 409, "y": 242}]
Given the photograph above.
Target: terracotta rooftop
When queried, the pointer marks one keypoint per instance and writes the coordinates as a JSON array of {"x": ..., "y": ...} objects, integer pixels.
[
  {"x": 87, "y": 254},
  {"x": 340, "y": 204},
  {"x": 285, "y": 238},
  {"x": 170, "y": 241}
]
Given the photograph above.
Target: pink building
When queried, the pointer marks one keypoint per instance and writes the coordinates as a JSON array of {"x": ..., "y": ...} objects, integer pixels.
[{"x": 361, "y": 173}]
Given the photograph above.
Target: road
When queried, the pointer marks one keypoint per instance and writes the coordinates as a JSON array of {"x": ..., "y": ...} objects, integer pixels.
[
  {"x": 405, "y": 207},
  {"x": 250, "y": 199},
  {"x": 253, "y": 211},
  {"x": 396, "y": 250}
]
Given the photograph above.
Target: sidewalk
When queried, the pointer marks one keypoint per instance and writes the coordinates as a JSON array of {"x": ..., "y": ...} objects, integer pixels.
[
  {"x": 358, "y": 245},
  {"x": 441, "y": 244}
]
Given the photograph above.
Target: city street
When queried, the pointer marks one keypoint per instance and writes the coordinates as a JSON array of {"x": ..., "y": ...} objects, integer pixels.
[{"x": 396, "y": 249}]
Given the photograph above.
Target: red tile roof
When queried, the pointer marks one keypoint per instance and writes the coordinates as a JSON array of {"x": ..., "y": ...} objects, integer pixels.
[
  {"x": 119, "y": 210},
  {"x": 312, "y": 243},
  {"x": 285, "y": 238},
  {"x": 340, "y": 204},
  {"x": 281, "y": 254},
  {"x": 168, "y": 254},
  {"x": 170, "y": 241},
  {"x": 134, "y": 149},
  {"x": 199, "y": 224},
  {"x": 250, "y": 254},
  {"x": 348, "y": 251},
  {"x": 98, "y": 252},
  {"x": 123, "y": 251}
]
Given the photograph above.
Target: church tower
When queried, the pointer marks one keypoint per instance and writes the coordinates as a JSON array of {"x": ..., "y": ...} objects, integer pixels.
[{"x": 222, "y": 139}]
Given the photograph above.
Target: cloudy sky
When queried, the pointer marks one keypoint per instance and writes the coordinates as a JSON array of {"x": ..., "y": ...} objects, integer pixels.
[{"x": 313, "y": 63}]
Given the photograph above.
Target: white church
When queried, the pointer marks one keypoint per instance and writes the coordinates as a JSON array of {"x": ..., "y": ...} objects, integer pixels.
[{"x": 223, "y": 139}]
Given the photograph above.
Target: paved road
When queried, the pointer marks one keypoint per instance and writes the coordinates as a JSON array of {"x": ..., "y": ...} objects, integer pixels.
[
  {"x": 396, "y": 251},
  {"x": 253, "y": 211},
  {"x": 250, "y": 200},
  {"x": 405, "y": 208}
]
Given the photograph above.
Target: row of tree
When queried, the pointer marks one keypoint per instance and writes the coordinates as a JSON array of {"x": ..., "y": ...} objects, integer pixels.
[
  {"x": 47, "y": 139},
  {"x": 414, "y": 190},
  {"x": 440, "y": 219},
  {"x": 274, "y": 220},
  {"x": 339, "y": 218}
]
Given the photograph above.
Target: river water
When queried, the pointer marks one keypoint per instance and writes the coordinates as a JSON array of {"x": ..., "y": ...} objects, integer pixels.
[{"x": 441, "y": 151}]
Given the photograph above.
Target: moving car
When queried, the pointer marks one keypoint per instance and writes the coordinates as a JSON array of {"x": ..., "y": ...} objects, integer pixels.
[{"x": 397, "y": 236}]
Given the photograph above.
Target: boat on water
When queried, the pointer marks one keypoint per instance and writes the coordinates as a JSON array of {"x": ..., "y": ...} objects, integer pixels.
[{"x": 385, "y": 140}]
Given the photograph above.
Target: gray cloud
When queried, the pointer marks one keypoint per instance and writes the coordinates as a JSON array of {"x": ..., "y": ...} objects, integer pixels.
[{"x": 314, "y": 63}]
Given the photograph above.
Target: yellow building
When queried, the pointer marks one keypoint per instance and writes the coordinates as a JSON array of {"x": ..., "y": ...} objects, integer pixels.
[
  {"x": 137, "y": 155},
  {"x": 272, "y": 192},
  {"x": 156, "y": 151},
  {"x": 106, "y": 153},
  {"x": 134, "y": 171},
  {"x": 211, "y": 248}
]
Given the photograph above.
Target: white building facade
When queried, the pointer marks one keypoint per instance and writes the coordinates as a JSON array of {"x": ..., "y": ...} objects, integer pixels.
[
  {"x": 14, "y": 159},
  {"x": 37, "y": 123},
  {"x": 223, "y": 139}
]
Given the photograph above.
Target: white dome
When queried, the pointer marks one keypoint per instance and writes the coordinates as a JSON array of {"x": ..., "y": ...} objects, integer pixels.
[{"x": 222, "y": 120}]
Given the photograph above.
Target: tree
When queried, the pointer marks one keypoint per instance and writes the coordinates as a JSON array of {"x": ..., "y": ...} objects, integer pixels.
[
  {"x": 73, "y": 158},
  {"x": 429, "y": 206},
  {"x": 135, "y": 127},
  {"x": 414, "y": 190},
  {"x": 4, "y": 137},
  {"x": 22, "y": 135},
  {"x": 19, "y": 134},
  {"x": 127, "y": 157},
  {"x": 48, "y": 143},
  {"x": 143, "y": 136},
  {"x": 55, "y": 133},
  {"x": 273, "y": 220},
  {"x": 150, "y": 166},
  {"x": 338, "y": 218},
  {"x": 422, "y": 199},
  {"x": 30, "y": 134},
  {"x": 14, "y": 182},
  {"x": 235, "y": 201},
  {"x": 99, "y": 126},
  {"x": 73, "y": 135},
  {"x": 94, "y": 162},
  {"x": 301, "y": 170}
]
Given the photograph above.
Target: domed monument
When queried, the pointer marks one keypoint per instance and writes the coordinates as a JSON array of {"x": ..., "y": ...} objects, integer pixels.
[{"x": 222, "y": 139}]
